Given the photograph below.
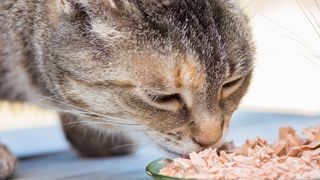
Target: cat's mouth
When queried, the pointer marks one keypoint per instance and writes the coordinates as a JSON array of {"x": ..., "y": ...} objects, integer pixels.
[{"x": 181, "y": 151}]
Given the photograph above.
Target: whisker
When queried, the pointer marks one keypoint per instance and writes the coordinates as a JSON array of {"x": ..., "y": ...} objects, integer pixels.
[
  {"x": 83, "y": 111},
  {"x": 75, "y": 124},
  {"x": 298, "y": 40},
  {"x": 50, "y": 97},
  {"x": 134, "y": 144},
  {"x": 317, "y": 3},
  {"x": 100, "y": 119},
  {"x": 282, "y": 27},
  {"x": 310, "y": 60},
  {"x": 302, "y": 44},
  {"x": 87, "y": 114},
  {"x": 108, "y": 122},
  {"x": 83, "y": 122},
  {"x": 302, "y": 6},
  {"x": 314, "y": 18}
]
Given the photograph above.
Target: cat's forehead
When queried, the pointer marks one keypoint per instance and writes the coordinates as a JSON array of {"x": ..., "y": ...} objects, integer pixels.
[
  {"x": 170, "y": 71},
  {"x": 212, "y": 36}
]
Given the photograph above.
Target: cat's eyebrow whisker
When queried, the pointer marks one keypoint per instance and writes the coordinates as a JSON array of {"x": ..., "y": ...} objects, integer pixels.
[
  {"x": 303, "y": 7},
  {"x": 295, "y": 37},
  {"x": 282, "y": 27},
  {"x": 314, "y": 53},
  {"x": 314, "y": 18},
  {"x": 317, "y": 4},
  {"x": 310, "y": 60}
]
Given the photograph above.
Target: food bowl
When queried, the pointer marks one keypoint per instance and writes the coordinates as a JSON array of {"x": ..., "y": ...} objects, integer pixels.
[{"x": 154, "y": 167}]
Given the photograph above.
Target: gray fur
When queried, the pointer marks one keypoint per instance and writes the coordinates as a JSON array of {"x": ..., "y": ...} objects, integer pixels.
[{"x": 108, "y": 57}]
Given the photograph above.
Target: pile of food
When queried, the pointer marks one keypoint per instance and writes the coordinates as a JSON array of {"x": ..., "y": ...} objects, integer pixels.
[{"x": 290, "y": 157}]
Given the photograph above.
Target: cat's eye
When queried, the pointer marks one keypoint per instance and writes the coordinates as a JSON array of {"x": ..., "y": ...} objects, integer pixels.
[
  {"x": 169, "y": 102},
  {"x": 230, "y": 87},
  {"x": 231, "y": 83},
  {"x": 162, "y": 98}
]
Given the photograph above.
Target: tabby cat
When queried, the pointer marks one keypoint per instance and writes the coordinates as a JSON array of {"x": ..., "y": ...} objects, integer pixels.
[{"x": 175, "y": 70}]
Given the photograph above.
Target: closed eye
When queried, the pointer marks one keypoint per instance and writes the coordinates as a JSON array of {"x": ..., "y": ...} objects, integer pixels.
[
  {"x": 169, "y": 102},
  {"x": 162, "y": 98},
  {"x": 232, "y": 83},
  {"x": 230, "y": 87}
]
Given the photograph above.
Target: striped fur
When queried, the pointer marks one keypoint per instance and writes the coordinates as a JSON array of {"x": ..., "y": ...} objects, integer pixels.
[{"x": 113, "y": 59}]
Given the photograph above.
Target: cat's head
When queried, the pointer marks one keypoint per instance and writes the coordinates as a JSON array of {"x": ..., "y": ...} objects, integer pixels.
[{"x": 178, "y": 68}]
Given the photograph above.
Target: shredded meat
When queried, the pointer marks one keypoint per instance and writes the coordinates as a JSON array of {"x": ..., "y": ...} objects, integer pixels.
[{"x": 290, "y": 157}]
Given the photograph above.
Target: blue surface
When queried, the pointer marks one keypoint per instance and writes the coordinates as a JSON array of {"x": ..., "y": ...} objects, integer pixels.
[
  {"x": 35, "y": 142},
  {"x": 67, "y": 165}
]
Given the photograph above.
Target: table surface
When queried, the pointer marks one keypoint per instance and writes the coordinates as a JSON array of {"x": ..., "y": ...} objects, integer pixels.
[{"x": 45, "y": 154}]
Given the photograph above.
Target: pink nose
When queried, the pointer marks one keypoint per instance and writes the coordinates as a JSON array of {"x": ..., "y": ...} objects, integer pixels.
[{"x": 208, "y": 134}]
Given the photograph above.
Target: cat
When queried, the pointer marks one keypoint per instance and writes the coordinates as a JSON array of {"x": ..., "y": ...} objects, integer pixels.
[{"x": 173, "y": 69}]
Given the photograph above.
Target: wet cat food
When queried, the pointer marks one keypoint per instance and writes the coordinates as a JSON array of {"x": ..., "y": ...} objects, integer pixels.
[{"x": 290, "y": 157}]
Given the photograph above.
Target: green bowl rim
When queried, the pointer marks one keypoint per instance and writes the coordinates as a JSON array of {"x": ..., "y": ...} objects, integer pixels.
[{"x": 151, "y": 172}]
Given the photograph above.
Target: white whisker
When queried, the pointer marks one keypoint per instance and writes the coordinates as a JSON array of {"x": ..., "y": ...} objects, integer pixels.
[
  {"x": 310, "y": 60},
  {"x": 50, "y": 97},
  {"x": 82, "y": 111},
  {"x": 302, "y": 6},
  {"x": 295, "y": 37},
  {"x": 134, "y": 144},
  {"x": 317, "y": 3}
]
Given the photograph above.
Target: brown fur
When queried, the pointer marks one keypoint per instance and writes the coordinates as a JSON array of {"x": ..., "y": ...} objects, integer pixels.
[
  {"x": 116, "y": 66},
  {"x": 103, "y": 144},
  {"x": 7, "y": 162}
]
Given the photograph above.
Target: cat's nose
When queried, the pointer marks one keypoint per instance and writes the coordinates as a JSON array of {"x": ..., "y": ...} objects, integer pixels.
[{"x": 208, "y": 133}]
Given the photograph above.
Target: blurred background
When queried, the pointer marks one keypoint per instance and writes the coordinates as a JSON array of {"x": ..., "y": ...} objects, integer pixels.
[{"x": 287, "y": 75}]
